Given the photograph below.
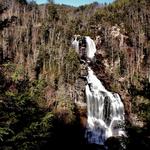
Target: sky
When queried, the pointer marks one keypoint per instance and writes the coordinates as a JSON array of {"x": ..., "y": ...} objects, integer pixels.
[{"x": 74, "y": 2}]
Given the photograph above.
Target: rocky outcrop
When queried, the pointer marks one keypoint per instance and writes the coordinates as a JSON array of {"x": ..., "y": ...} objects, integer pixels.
[{"x": 115, "y": 75}]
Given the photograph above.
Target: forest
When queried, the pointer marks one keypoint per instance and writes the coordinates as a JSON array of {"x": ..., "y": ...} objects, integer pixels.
[{"x": 42, "y": 77}]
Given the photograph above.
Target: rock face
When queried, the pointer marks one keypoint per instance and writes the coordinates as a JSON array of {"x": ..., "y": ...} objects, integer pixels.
[{"x": 112, "y": 71}]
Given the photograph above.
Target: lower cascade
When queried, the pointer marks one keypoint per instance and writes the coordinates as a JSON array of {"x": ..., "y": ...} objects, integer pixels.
[{"x": 105, "y": 110}]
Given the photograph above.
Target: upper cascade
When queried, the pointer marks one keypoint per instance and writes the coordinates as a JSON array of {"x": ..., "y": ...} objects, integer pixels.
[
  {"x": 75, "y": 43},
  {"x": 90, "y": 48}
]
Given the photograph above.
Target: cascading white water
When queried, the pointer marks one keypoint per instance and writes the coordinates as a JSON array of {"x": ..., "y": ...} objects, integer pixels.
[
  {"x": 75, "y": 43},
  {"x": 90, "y": 47},
  {"x": 105, "y": 110}
]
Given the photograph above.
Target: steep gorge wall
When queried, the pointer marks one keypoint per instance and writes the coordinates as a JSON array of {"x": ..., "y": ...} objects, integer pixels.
[{"x": 36, "y": 43}]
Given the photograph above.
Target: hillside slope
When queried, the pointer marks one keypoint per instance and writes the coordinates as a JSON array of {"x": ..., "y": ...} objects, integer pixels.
[{"x": 41, "y": 75}]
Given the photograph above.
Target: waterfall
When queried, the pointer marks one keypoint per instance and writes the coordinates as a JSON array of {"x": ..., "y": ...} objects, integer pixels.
[
  {"x": 75, "y": 43},
  {"x": 105, "y": 110},
  {"x": 90, "y": 47}
]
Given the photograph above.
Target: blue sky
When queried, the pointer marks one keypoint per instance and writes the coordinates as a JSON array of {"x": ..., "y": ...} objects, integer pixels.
[{"x": 74, "y": 2}]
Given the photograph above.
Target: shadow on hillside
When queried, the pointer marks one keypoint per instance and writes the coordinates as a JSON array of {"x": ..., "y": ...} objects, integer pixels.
[{"x": 138, "y": 138}]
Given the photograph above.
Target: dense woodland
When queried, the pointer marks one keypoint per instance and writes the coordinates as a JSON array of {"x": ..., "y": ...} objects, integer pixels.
[{"x": 41, "y": 74}]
